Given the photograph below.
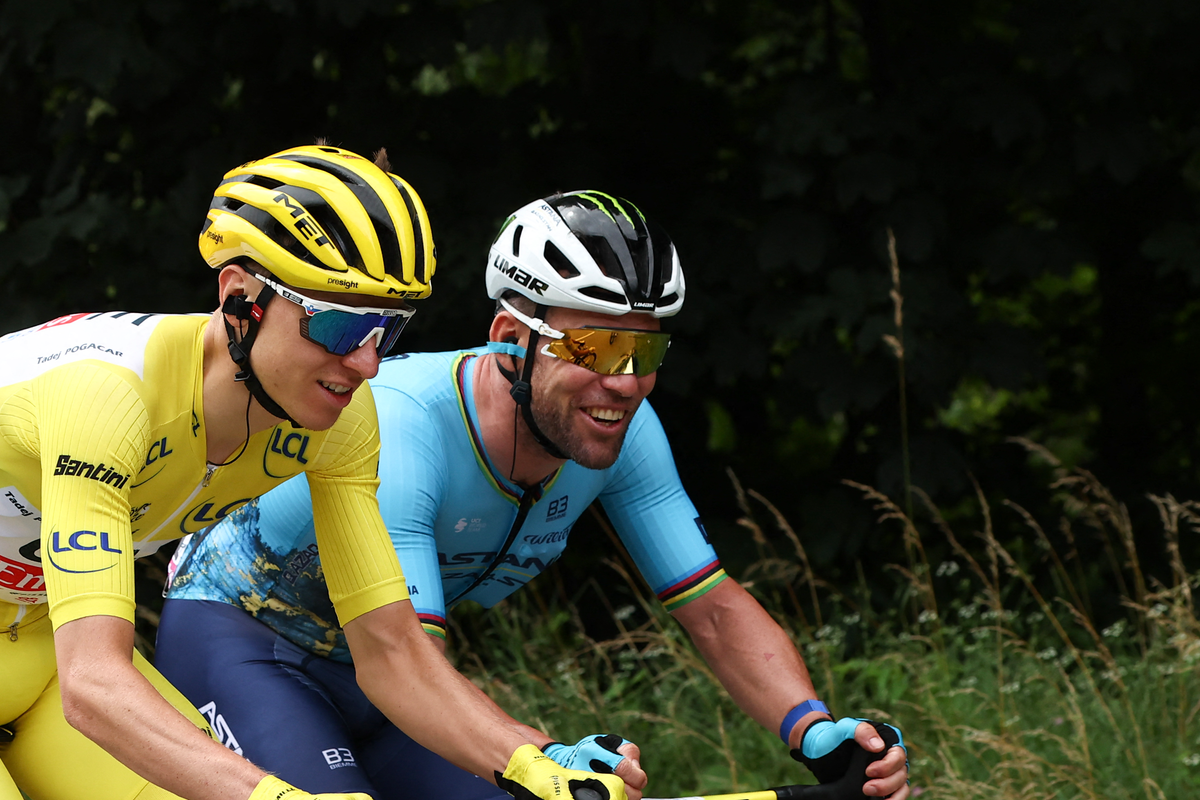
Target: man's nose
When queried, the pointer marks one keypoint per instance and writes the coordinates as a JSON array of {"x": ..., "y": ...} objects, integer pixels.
[{"x": 364, "y": 360}]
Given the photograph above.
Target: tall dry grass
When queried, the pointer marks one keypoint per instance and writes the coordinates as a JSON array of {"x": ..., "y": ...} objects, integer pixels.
[{"x": 1000, "y": 672}]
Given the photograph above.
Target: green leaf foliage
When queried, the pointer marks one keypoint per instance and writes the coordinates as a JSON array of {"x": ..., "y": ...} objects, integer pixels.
[{"x": 1037, "y": 164}]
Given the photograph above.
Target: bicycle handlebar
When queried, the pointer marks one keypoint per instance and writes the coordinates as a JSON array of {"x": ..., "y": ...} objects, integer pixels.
[{"x": 848, "y": 787}]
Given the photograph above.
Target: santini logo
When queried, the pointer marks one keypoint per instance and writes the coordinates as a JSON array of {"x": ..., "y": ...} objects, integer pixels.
[{"x": 97, "y": 472}]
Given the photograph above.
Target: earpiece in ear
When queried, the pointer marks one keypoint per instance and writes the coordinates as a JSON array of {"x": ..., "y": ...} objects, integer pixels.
[
  {"x": 520, "y": 390},
  {"x": 240, "y": 307}
]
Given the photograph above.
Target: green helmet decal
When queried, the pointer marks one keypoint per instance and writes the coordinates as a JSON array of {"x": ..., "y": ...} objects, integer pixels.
[{"x": 599, "y": 197}]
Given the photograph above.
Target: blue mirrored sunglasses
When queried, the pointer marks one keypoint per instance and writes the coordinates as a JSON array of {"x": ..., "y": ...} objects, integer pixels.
[{"x": 342, "y": 329}]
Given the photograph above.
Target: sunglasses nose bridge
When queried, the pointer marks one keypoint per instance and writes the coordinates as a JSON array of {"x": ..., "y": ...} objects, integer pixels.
[{"x": 375, "y": 333}]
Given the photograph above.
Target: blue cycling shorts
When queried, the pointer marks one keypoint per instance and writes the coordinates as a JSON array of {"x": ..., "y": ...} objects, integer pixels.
[{"x": 297, "y": 714}]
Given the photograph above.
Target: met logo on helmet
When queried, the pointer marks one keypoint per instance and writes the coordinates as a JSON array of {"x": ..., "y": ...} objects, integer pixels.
[
  {"x": 305, "y": 225},
  {"x": 520, "y": 276}
]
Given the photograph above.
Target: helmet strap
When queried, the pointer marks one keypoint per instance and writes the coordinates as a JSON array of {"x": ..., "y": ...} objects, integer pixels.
[
  {"x": 251, "y": 311},
  {"x": 522, "y": 391}
]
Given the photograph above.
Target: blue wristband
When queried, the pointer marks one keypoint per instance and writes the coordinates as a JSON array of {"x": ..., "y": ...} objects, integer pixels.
[{"x": 793, "y": 716}]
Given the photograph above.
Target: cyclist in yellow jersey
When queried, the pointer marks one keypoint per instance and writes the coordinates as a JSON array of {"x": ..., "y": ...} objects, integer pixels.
[{"x": 120, "y": 432}]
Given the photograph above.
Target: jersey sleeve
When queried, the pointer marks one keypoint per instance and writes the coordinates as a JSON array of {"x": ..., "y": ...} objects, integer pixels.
[
  {"x": 359, "y": 564},
  {"x": 656, "y": 520},
  {"x": 412, "y": 477},
  {"x": 93, "y": 430}
]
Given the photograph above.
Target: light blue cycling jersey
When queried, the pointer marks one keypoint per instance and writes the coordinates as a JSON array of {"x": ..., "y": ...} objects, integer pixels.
[{"x": 449, "y": 511}]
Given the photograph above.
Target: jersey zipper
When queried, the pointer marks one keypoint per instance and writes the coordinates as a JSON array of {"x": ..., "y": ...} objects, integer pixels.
[
  {"x": 527, "y": 501},
  {"x": 209, "y": 470},
  {"x": 12, "y": 629}
]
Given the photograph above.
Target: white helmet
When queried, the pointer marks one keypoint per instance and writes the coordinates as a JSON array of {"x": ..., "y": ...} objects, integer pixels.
[{"x": 589, "y": 251}]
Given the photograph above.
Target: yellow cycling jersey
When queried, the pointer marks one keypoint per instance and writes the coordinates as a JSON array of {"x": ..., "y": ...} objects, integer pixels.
[{"x": 102, "y": 460}]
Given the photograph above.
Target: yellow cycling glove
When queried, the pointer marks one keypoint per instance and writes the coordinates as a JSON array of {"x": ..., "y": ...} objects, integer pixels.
[
  {"x": 532, "y": 775},
  {"x": 271, "y": 788}
]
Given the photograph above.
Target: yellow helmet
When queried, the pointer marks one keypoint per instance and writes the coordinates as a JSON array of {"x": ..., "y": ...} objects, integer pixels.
[{"x": 325, "y": 219}]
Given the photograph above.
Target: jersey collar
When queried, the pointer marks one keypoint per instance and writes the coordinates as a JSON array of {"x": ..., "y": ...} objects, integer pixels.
[{"x": 464, "y": 387}]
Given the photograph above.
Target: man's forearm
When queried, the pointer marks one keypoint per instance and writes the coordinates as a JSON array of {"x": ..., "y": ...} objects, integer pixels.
[
  {"x": 751, "y": 655},
  {"x": 406, "y": 677},
  {"x": 108, "y": 700}
]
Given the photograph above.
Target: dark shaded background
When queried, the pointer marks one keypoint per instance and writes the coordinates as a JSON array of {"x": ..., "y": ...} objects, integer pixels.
[{"x": 1039, "y": 164}]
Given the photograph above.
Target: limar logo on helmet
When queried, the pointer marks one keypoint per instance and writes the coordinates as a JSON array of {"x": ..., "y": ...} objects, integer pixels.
[{"x": 520, "y": 276}]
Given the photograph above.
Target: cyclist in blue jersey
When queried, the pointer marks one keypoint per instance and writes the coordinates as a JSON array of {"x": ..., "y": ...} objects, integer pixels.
[{"x": 489, "y": 456}]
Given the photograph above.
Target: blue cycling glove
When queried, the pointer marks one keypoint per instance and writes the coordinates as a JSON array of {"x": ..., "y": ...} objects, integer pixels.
[
  {"x": 596, "y": 753},
  {"x": 826, "y": 746}
]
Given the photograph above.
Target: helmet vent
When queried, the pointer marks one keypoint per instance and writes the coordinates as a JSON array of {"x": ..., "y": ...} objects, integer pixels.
[
  {"x": 263, "y": 181},
  {"x": 337, "y": 231},
  {"x": 668, "y": 300},
  {"x": 605, "y": 295},
  {"x": 344, "y": 175},
  {"x": 562, "y": 265},
  {"x": 517, "y": 241},
  {"x": 285, "y": 239},
  {"x": 395, "y": 260},
  {"x": 665, "y": 263},
  {"x": 604, "y": 255},
  {"x": 276, "y": 232}
]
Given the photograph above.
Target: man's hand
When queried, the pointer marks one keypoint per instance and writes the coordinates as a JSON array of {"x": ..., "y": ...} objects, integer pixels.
[
  {"x": 826, "y": 747},
  {"x": 271, "y": 788},
  {"x": 609, "y": 754},
  {"x": 532, "y": 775}
]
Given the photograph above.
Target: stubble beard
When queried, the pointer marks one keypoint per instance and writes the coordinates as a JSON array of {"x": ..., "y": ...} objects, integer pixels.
[{"x": 555, "y": 424}]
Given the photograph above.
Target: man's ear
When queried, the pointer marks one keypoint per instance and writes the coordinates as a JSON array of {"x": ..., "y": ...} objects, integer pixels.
[
  {"x": 236, "y": 281},
  {"x": 506, "y": 328},
  {"x": 232, "y": 280}
]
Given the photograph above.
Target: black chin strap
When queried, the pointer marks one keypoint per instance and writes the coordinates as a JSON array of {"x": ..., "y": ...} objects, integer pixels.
[
  {"x": 522, "y": 391},
  {"x": 239, "y": 349}
]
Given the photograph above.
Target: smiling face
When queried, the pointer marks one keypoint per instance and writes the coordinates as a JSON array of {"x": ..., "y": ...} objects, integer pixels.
[
  {"x": 310, "y": 383},
  {"x": 586, "y": 414}
]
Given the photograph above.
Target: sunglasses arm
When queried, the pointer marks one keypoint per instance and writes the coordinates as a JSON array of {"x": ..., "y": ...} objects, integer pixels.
[{"x": 532, "y": 322}]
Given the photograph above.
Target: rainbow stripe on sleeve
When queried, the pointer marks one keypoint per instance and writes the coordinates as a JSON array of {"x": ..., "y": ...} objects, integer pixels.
[
  {"x": 434, "y": 624},
  {"x": 689, "y": 588}
]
